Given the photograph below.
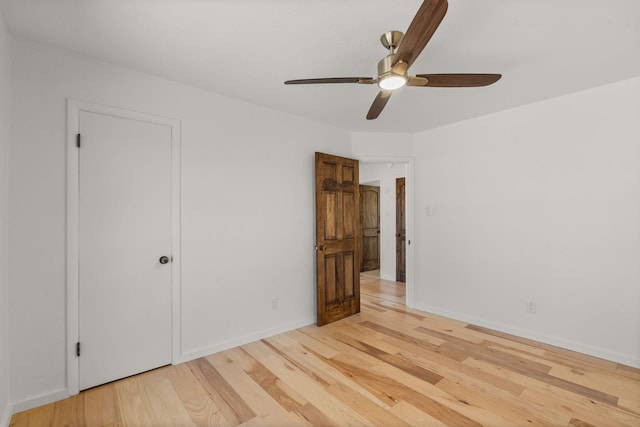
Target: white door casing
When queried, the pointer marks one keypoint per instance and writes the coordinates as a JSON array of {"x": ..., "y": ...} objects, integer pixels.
[{"x": 123, "y": 215}]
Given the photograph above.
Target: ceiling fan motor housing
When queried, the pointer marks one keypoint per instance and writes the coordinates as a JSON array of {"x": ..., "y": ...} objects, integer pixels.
[
  {"x": 388, "y": 77},
  {"x": 384, "y": 66}
]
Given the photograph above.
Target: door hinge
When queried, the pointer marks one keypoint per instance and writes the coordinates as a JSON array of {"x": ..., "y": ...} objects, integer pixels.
[
  {"x": 78, "y": 140},
  {"x": 78, "y": 349}
]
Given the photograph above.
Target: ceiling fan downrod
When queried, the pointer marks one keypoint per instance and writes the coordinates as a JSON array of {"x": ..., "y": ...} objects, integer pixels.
[{"x": 391, "y": 40}]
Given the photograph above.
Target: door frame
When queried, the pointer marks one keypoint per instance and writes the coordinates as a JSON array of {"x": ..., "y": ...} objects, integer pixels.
[
  {"x": 409, "y": 164},
  {"x": 74, "y": 107}
]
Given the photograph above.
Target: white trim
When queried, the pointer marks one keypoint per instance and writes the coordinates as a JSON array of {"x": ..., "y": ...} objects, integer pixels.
[
  {"x": 410, "y": 215},
  {"x": 371, "y": 182},
  {"x": 525, "y": 333},
  {"x": 73, "y": 113},
  {"x": 409, "y": 201},
  {"x": 235, "y": 342},
  {"x": 39, "y": 400},
  {"x": 73, "y": 116},
  {"x": 5, "y": 417},
  {"x": 176, "y": 239},
  {"x": 385, "y": 159}
]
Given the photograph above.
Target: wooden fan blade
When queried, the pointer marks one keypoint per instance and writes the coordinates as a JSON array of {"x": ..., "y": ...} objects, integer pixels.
[
  {"x": 420, "y": 30},
  {"x": 361, "y": 80},
  {"x": 378, "y": 104},
  {"x": 459, "y": 80}
]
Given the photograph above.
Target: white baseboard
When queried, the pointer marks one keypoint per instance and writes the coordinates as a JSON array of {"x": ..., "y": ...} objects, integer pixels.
[
  {"x": 245, "y": 339},
  {"x": 53, "y": 396},
  {"x": 5, "y": 417},
  {"x": 39, "y": 400},
  {"x": 524, "y": 333}
]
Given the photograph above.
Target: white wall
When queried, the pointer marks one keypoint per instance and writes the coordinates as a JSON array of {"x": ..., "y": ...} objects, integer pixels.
[
  {"x": 539, "y": 203},
  {"x": 387, "y": 178},
  {"x": 386, "y": 146},
  {"x": 5, "y": 61},
  {"x": 247, "y": 210}
]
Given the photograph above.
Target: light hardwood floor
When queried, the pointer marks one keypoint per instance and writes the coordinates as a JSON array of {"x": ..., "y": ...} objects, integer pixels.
[{"x": 387, "y": 366}]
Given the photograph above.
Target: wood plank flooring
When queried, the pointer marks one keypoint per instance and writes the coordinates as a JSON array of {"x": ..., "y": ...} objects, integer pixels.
[{"x": 387, "y": 366}]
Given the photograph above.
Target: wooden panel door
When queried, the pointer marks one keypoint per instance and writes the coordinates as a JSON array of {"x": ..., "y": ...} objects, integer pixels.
[
  {"x": 370, "y": 221},
  {"x": 401, "y": 232},
  {"x": 337, "y": 237}
]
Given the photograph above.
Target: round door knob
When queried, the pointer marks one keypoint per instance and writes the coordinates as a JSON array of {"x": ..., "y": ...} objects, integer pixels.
[{"x": 164, "y": 259}]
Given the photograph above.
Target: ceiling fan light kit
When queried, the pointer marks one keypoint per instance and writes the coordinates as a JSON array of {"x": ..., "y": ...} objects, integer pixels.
[
  {"x": 392, "y": 82},
  {"x": 403, "y": 51}
]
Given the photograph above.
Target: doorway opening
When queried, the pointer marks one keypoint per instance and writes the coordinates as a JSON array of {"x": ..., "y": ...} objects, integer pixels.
[
  {"x": 373, "y": 287},
  {"x": 392, "y": 281}
]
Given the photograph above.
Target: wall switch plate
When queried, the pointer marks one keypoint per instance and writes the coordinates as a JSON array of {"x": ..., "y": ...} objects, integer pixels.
[
  {"x": 274, "y": 303},
  {"x": 531, "y": 307},
  {"x": 428, "y": 210}
]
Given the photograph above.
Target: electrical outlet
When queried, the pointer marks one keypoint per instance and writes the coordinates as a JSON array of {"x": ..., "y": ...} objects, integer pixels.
[
  {"x": 531, "y": 307},
  {"x": 274, "y": 303}
]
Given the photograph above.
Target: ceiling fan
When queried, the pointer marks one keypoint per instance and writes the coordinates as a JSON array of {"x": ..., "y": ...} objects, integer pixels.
[{"x": 403, "y": 51}]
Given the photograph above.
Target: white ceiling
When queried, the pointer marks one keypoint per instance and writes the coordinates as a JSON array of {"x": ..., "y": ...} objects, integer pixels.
[{"x": 246, "y": 49}]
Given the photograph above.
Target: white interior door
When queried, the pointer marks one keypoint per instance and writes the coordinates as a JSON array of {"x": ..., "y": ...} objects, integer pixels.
[{"x": 124, "y": 228}]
